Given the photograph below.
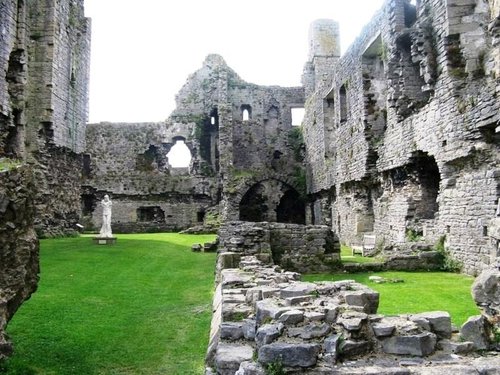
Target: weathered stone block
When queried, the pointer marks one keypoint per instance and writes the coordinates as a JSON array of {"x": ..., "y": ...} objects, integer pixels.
[
  {"x": 231, "y": 330},
  {"x": 229, "y": 357},
  {"x": 419, "y": 345},
  {"x": 293, "y": 355},
  {"x": 475, "y": 330},
  {"x": 298, "y": 289},
  {"x": 292, "y": 317},
  {"x": 368, "y": 300},
  {"x": 439, "y": 321},
  {"x": 486, "y": 291},
  {"x": 383, "y": 329},
  {"x": 268, "y": 333},
  {"x": 310, "y": 331}
]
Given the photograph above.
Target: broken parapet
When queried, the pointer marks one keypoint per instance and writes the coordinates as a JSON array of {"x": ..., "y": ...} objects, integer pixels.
[
  {"x": 265, "y": 317},
  {"x": 19, "y": 265},
  {"x": 296, "y": 247}
]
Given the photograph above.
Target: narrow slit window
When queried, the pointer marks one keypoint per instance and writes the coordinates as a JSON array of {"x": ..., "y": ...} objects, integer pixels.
[
  {"x": 343, "y": 103},
  {"x": 246, "y": 115}
]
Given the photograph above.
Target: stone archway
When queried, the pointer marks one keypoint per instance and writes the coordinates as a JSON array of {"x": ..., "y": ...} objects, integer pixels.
[{"x": 274, "y": 201}]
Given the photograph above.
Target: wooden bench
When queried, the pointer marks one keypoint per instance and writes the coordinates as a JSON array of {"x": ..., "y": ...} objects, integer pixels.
[{"x": 369, "y": 241}]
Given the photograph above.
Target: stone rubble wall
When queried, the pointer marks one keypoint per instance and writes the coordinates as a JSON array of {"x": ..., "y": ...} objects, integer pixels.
[
  {"x": 119, "y": 165},
  {"x": 45, "y": 54},
  {"x": 19, "y": 248},
  {"x": 303, "y": 248},
  {"x": 265, "y": 317},
  {"x": 419, "y": 89}
]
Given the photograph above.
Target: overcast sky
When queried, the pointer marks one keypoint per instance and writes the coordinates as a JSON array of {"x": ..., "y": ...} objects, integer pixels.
[{"x": 144, "y": 50}]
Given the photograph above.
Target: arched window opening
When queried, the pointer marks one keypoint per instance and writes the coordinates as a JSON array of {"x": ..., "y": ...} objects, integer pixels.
[
  {"x": 212, "y": 120},
  {"x": 246, "y": 112},
  {"x": 179, "y": 155}
]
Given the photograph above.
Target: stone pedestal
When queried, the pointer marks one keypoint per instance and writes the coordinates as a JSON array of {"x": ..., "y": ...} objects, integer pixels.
[{"x": 104, "y": 240}]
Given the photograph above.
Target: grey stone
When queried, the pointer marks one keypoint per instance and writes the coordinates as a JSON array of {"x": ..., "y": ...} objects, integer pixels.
[
  {"x": 455, "y": 347},
  {"x": 331, "y": 344},
  {"x": 419, "y": 345},
  {"x": 368, "y": 300},
  {"x": 298, "y": 289},
  {"x": 314, "y": 316},
  {"x": 269, "y": 308},
  {"x": 250, "y": 368},
  {"x": 310, "y": 331},
  {"x": 293, "y": 355},
  {"x": 383, "y": 329},
  {"x": 292, "y": 301},
  {"x": 474, "y": 329},
  {"x": 229, "y": 357},
  {"x": 231, "y": 330},
  {"x": 292, "y": 317},
  {"x": 331, "y": 313},
  {"x": 440, "y": 322},
  {"x": 268, "y": 333},
  {"x": 196, "y": 247},
  {"x": 486, "y": 291},
  {"x": 249, "y": 327},
  {"x": 351, "y": 348}
]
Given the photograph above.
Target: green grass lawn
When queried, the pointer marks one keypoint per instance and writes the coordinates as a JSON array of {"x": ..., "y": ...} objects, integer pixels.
[
  {"x": 142, "y": 306},
  {"x": 420, "y": 292}
]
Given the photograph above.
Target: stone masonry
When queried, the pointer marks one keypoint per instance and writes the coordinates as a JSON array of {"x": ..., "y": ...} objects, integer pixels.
[
  {"x": 44, "y": 54},
  {"x": 401, "y": 132},
  {"x": 18, "y": 246},
  {"x": 265, "y": 318},
  {"x": 247, "y": 159}
]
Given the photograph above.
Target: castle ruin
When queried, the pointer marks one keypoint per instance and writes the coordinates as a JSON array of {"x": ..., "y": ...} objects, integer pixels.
[{"x": 400, "y": 141}]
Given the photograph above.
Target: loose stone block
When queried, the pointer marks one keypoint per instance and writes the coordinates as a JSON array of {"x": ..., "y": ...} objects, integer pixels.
[
  {"x": 267, "y": 333},
  {"x": 310, "y": 331},
  {"x": 474, "y": 329},
  {"x": 292, "y": 317},
  {"x": 229, "y": 357},
  {"x": 419, "y": 345},
  {"x": 383, "y": 329},
  {"x": 231, "y": 330},
  {"x": 439, "y": 321},
  {"x": 368, "y": 300}
]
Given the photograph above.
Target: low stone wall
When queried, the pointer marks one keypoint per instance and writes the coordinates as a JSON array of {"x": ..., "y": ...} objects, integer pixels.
[
  {"x": 303, "y": 248},
  {"x": 19, "y": 266},
  {"x": 265, "y": 319}
]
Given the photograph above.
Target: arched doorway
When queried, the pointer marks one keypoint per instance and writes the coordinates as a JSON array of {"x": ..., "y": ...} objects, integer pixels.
[{"x": 273, "y": 201}]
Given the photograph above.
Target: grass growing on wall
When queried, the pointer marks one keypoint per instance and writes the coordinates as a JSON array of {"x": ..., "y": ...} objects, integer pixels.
[
  {"x": 142, "y": 306},
  {"x": 420, "y": 292}
]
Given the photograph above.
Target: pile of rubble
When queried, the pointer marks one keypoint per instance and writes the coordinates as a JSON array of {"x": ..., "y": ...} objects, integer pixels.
[{"x": 266, "y": 319}]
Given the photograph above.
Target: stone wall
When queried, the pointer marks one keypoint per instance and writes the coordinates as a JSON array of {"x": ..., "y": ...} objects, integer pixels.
[
  {"x": 44, "y": 52},
  {"x": 304, "y": 248},
  {"x": 130, "y": 163},
  {"x": 18, "y": 246},
  {"x": 402, "y": 136},
  {"x": 247, "y": 159}
]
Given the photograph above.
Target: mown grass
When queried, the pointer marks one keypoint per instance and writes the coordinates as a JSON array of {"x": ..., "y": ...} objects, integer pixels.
[
  {"x": 420, "y": 292},
  {"x": 142, "y": 306}
]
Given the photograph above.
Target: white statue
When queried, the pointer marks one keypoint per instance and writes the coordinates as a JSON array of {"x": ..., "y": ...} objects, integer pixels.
[{"x": 106, "y": 217}]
